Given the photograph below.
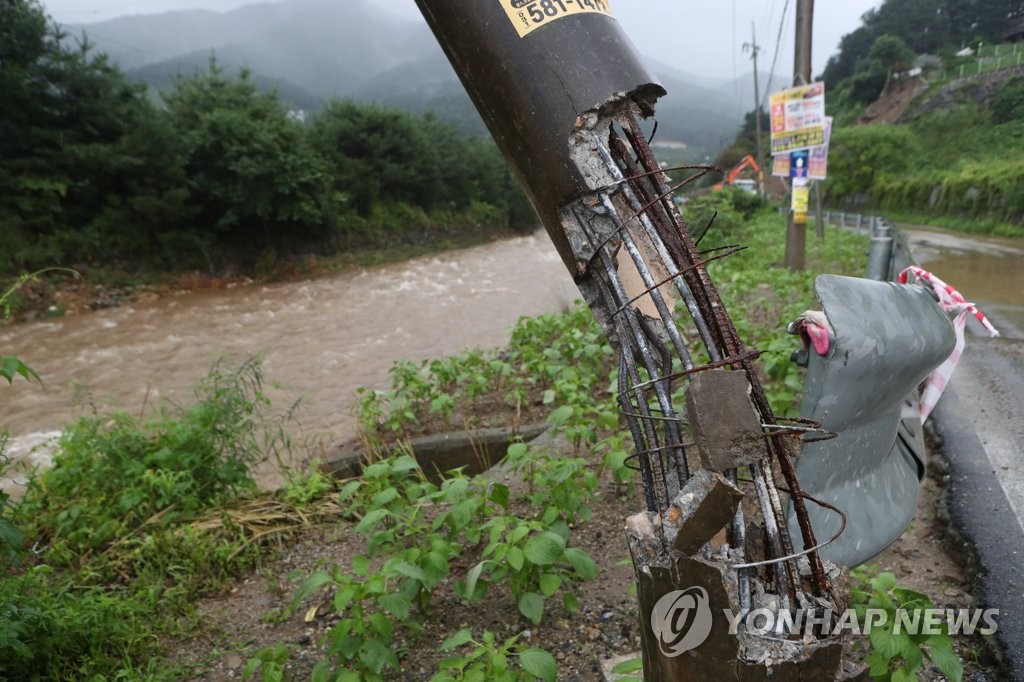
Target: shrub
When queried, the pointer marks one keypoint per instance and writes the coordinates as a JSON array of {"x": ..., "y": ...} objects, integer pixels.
[
  {"x": 1009, "y": 103},
  {"x": 116, "y": 474}
]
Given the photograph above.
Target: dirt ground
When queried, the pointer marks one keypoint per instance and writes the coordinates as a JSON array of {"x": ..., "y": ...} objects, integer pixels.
[
  {"x": 254, "y": 612},
  {"x": 251, "y": 614}
]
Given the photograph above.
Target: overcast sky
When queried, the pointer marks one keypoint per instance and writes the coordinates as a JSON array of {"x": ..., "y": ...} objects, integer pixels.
[{"x": 702, "y": 38}]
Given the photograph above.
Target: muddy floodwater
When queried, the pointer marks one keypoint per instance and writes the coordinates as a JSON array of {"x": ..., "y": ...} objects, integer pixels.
[
  {"x": 321, "y": 338},
  {"x": 324, "y": 338},
  {"x": 986, "y": 270}
]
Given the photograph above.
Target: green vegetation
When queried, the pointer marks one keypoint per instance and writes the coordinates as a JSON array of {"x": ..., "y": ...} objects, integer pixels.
[
  {"x": 896, "y": 655},
  {"x": 952, "y": 158},
  {"x": 938, "y": 27},
  {"x": 489, "y": 660},
  {"x": 216, "y": 174},
  {"x": 141, "y": 515},
  {"x": 118, "y": 554},
  {"x": 955, "y": 168}
]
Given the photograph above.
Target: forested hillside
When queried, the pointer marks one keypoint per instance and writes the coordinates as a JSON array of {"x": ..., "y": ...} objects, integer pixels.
[
  {"x": 928, "y": 102},
  {"x": 954, "y": 154},
  {"x": 216, "y": 173}
]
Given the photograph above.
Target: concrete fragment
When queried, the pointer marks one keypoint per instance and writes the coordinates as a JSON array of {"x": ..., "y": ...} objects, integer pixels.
[
  {"x": 726, "y": 427},
  {"x": 705, "y": 505}
]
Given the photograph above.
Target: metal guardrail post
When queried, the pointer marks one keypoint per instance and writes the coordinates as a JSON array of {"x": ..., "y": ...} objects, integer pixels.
[{"x": 880, "y": 253}]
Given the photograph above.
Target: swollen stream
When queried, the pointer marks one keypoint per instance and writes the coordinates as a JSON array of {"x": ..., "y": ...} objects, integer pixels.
[
  {"x": 324, "y": 338},
  {"x": 321, "y": 339}
]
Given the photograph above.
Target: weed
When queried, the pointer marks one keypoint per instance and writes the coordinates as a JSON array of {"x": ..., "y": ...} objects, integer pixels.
[
  {"x": 490, "y": 660},
  {"x": 117, "y": 477},
  {"x": 52, "y": 629},
  {"x": 897, "y": 654},
  {"x": 268, "y": 662},
  {"x": 120, "y": 557},
  {"x": 302, "y": 489}
]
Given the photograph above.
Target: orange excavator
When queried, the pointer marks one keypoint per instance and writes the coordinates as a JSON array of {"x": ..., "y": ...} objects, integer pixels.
[{"x": 732, "y": 178}]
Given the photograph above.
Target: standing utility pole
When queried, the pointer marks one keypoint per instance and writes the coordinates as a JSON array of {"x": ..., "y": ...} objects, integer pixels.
[
  {"x": 754, "y": 49},
  {"x": 796, "y": 233}
]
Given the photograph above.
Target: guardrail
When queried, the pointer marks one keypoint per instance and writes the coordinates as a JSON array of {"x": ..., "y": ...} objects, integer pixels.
[{"x": 888, "y": 254}]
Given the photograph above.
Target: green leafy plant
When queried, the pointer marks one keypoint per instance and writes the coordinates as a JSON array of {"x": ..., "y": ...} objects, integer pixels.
[
  {"x": 116, "y": 475},
  {"x": 53, "y": 629},
  {"x": 269, "y": 663},
  {"x": 488, "y": 660},
  {"x": 369, "y": 606},
  {"x": 533, "y": 559},
  {"x": 303, "y": 488},
  {"x": 12, "y": 539},
  {"x": 630, "y": 669},
  {"x": 897, "y": 655}
]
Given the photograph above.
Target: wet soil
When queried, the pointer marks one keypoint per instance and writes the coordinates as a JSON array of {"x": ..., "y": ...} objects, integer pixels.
[{"x": 253, "y": 613}]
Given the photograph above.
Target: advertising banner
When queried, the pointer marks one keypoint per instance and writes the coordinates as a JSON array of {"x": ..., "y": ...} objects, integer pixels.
[
  {"x": 816, "y": 159},
  {"x": 798, "y": 118}
]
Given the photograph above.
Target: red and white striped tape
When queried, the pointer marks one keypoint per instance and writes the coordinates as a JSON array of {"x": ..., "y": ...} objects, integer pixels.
[{"x": 951, "y": 301}]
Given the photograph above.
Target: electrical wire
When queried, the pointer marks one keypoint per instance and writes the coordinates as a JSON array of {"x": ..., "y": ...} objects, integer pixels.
[{"x": 775, "y": 57}]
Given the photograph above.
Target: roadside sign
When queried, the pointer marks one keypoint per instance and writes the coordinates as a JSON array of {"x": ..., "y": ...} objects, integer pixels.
[
  {"x": 801, "y": 199},
  {"x": 817, "y": 162},
  {"x": 798, "y": 163},
  {"x": 817, "y": 159},
  {"x": 798, "y": 118}
]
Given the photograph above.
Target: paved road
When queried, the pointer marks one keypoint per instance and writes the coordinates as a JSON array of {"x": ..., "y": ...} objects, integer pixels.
[{"x": 981, "y": 421}]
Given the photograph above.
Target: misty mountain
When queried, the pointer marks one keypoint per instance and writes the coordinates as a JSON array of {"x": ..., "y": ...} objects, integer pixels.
[
  {"x": 313, "y": 50},
  {"x": 325, "y": 48}
]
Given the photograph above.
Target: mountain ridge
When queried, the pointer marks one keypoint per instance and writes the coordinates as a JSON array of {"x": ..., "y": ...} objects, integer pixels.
[{"x": 313, "y": 50}]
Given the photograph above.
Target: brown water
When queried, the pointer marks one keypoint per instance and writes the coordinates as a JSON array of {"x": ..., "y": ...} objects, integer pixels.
[
  {"x": 321, "y": 338},
  {"x": 324, "y": 338},
  {"x": 986, "y": 270}
]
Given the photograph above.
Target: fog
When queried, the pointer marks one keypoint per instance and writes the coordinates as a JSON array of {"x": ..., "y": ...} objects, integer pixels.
[{"x": 701, "y": 38}]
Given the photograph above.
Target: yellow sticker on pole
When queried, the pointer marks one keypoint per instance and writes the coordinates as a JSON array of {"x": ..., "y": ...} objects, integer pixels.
[
  {"x": 529, "y": 15},
  {"x": 801, "y": 200}
]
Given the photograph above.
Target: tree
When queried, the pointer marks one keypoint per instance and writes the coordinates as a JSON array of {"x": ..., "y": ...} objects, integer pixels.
[
  {"x": 251, "y": 168},
  {"x": 892, "y": 53},
  {"x": 67, "y": 153},
  {"x": 380, "y": 154}
]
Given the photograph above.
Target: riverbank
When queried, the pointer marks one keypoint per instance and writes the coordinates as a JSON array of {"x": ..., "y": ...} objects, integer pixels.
[
  {"x": 569, "y": 491},
  {"x": 85, "y": 289},
  {"x": 320, "y": 338}
]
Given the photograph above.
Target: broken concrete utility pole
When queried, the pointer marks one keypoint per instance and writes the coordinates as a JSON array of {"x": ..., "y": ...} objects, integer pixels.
[{"x": 564, "y": 94}]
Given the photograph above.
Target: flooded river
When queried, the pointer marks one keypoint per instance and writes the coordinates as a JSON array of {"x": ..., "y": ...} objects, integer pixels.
[
  {"x": 986, "y": 270},
  {"x": 324, "y": 338},
  {"x": 321, "y": 338}
]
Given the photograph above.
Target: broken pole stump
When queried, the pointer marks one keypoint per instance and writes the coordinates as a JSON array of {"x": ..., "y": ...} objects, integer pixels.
[{"x": 692, "y": 623}]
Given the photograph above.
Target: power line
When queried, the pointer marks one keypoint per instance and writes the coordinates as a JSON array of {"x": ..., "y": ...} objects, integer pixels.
[
  {"x": 775, "y": 57},
  {"x": 735, "y": 78}
]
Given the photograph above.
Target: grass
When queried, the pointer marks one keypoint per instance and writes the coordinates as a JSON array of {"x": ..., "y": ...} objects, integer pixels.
[
  {"x": 139, "y": 517},
  {"x": 122, "y": 532}
]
